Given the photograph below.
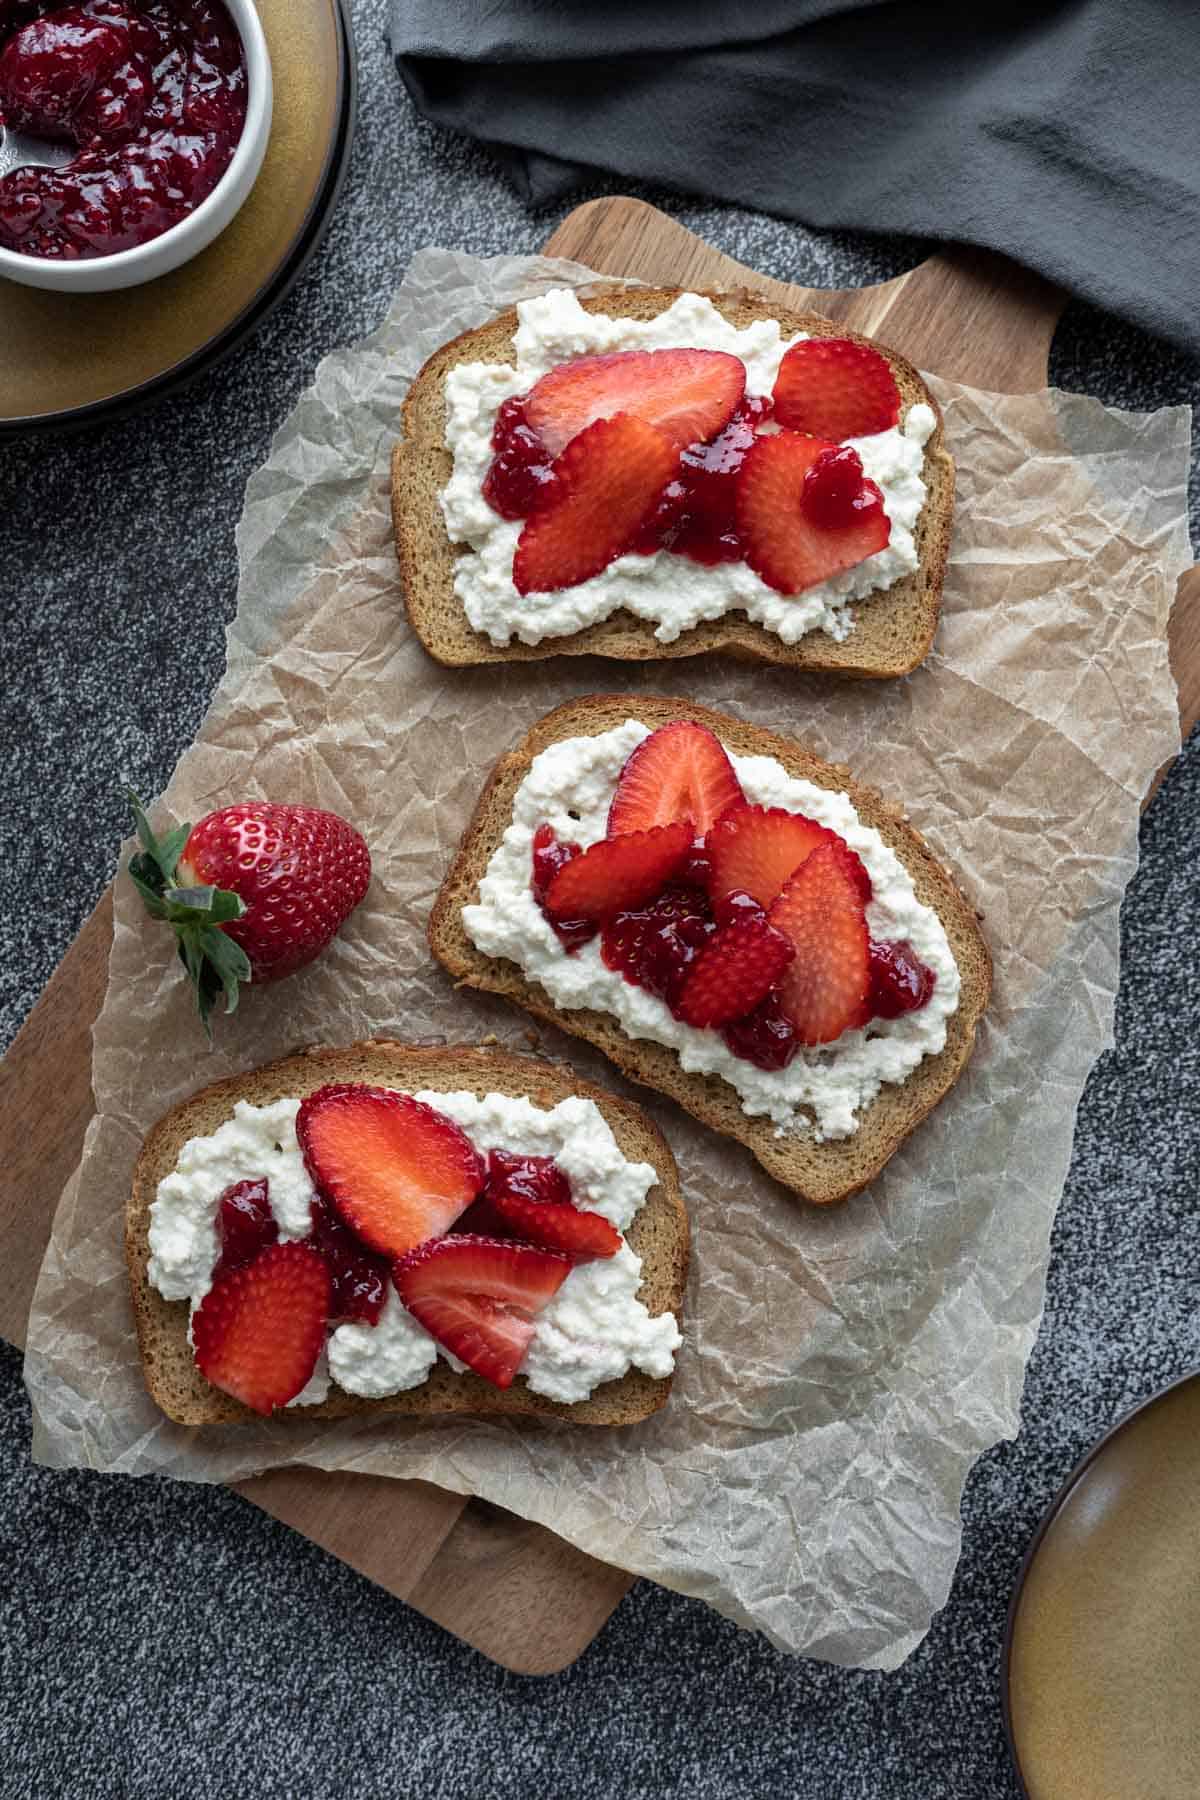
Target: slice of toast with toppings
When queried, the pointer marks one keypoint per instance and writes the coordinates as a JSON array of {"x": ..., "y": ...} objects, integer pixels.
[
  {"x": 818, "y": 1171},
  {"x": 893, "y": 628},
  {"x": 658, "y": 1233}
]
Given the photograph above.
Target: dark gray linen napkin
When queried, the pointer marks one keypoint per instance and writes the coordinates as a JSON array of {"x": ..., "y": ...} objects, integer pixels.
[{"x": 1067, "y": 136}]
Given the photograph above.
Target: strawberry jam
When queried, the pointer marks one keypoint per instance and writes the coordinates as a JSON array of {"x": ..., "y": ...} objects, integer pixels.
[
  {"x": 900, "y": 981},
  {"x": 766, "y": 1037},
  {"x": 536, "y": 1178},
  {"x": 654, "y": 946},
  {"x": 245, "y": 1225},
  {"x": 360, "y": 1278},
  {"x": 549, "y": 856},
  {"x": 522, "y": 476},
  {"x": 835, "y": 493},
  {"x": 153, "y": 93},
  {"x": 695, "y": 516}
]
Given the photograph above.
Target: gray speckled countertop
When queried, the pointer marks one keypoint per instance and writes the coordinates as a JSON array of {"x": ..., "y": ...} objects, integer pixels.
[{"x": 162, "y": 1639}]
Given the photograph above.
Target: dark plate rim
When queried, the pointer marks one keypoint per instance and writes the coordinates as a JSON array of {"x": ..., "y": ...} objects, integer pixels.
[
  {"x": 1047, "y": 1520},
  {"x": 309, "y": 238}
]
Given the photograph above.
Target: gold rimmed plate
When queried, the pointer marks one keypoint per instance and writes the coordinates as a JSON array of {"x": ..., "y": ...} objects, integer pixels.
[
  {"x": 1102, "y": 1653},
  {"x": 73, "y": 358}
]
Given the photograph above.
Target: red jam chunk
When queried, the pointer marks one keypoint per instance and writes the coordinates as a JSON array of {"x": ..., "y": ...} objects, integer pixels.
[
  {"x": 900, "y": 981},
  {"x": 766, "y": 1037},
  {"x": 549, "y": 856},
  {"x": 360, "y": 1278},
  {"x": 695, "y": 516},
  {"x": 522, "y": 476},
  {"x": 834, "y": 492},
  {"x": 245, "y": 1225},
  {"x": 536, "y": 1178},
  {"x": 655, "y": 946},
  {"x": 154, "y": 94}
]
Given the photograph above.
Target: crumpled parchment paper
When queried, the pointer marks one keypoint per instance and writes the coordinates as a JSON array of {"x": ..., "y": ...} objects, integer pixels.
[{"x": 841, "y": 1368}]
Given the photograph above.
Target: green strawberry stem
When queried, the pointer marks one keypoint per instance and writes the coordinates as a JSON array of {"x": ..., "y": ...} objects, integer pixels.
[{"x": 215, "y": 964}]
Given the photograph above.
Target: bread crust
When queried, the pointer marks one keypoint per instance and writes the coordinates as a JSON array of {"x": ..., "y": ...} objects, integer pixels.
[
  {"x": 659, "y": 1234},
  {"x": 820, "y": 1173},
  {"x": 893, "y": 630}
]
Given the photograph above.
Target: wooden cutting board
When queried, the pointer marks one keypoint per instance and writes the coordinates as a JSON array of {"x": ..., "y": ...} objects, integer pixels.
[{"x": 510, "y": 1589}]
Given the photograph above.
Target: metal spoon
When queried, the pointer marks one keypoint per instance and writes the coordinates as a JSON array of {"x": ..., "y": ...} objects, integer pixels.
[{"x": 20, "y": 152}]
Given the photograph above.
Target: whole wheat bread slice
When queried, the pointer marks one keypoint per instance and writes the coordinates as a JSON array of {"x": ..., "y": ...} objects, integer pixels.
[
  {"x": 659, "y": 1234},
  {"x": 892, "y": 632},
  {"x": 818, "y": 1172}
]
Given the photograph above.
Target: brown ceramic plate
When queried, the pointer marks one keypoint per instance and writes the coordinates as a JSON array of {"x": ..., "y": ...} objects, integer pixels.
[
  {"x": 1102, "y": 1657},
  {"x": 71, "y": 358}
]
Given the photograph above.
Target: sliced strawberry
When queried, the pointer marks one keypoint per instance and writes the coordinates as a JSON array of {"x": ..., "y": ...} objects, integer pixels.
[
  {"x": 833, "y": 388},
  {"x": 618, "y": 873},
  {"x": 825, "y": 989},
  {"x": 479, "y": 1297},
  {"x": 735, "y": 969},
  {"x": 535, "y": 1179},
  {"x": 258, "y": 1331},
  {"x": 582, "y": 1235},
  {"x": 607, "y": 480},
  {"x": 245, "y": 1224},
  {"x": 531, "y": 1198},
  {"x": 782, "y": 544},
  {"x": 681, "y": 771},
  {"x": 395, "y": 1170},
  {"x": 753, "y": 849},
  {"x": 689, "y": 394}
]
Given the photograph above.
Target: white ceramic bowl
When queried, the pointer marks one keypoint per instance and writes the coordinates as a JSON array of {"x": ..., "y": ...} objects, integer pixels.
[{"x": 128, "y": 268}]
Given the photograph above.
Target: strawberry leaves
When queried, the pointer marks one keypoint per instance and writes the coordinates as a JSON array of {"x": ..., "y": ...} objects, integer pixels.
[{"x": 215, "y": 963}]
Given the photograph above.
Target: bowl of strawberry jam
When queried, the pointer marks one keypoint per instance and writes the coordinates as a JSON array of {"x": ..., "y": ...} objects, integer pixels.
[{"x": 161, "y": 110}]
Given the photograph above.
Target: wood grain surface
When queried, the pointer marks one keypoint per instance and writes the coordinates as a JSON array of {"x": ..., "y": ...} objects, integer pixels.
[{"x": 511, "y": 1589}]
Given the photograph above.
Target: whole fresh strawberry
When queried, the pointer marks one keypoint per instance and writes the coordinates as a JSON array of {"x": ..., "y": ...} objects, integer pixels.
[{"x": 253, "y": 892}]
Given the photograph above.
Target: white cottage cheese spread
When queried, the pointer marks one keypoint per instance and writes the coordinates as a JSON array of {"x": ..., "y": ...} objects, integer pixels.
[
  {"x": 673, "y": 591},
  {"x": 570, "y": 787},
  {"x": 593, "y": 1330}
]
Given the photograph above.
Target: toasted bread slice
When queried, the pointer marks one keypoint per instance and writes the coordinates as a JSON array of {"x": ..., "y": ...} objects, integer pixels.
[
  {"x": 659, "y": 1234},
  {"x": 892, "y": 631},
  {"x": 818, "y": 1172}
]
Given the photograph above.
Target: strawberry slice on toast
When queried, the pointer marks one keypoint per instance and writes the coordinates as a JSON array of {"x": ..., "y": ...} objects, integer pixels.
[
  {"x": 576, "y": 1231},
  {"x": 531, "y": 1198},
  {"x": 606, "y": 482},
  {"x": 734, "y": 970},
  {"x": 479, "y": 1298},
  {"x": 618, "y": 873},
  {"x": 681, "y": 771},
  {"x": 258, "y": 1331},
  {"x": 537, "y": 1180},
  {"x": 835, "y": 388},
  {"x": 825, "y": 989},
  {"x": 753, "y": 850},
  {"x": 782, "y": 541},
  {"x": 690, "y": 395},
  {"x": 395, "y": 1170}
]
